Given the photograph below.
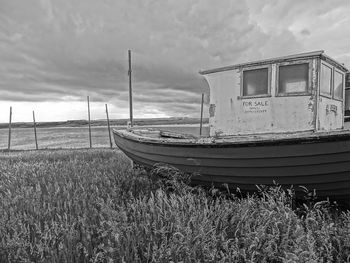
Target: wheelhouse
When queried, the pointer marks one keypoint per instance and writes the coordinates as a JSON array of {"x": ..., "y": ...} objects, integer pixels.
[{"x": 302, "y": 92}]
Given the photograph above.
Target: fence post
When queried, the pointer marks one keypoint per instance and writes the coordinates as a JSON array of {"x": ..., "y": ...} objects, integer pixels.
[
  {"x": 130, "y": 91},
  {"x": 200, "y": 127},
  {"x": 10, "y": 122},
  {"x": 109, "y": 129},
  {"x": 36, "y": 139},
  {"x": 88, "y": 101}
]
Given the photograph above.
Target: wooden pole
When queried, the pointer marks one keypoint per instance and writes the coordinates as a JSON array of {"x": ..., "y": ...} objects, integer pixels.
[
  {"x": 36, "y": 139},
  {"x": 88, "y": 101},
  {"x": 109, "y": 128},
  {"x": 130, "y": 91},
  {"x": 201, "y": 124},
  {"x": 10, "y": 122}
]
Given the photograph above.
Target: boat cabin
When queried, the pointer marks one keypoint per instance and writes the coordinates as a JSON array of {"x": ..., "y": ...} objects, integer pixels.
[{"x": 302, "y": 92}]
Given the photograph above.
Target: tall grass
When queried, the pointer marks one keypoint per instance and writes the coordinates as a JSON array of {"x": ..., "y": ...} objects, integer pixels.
[{"x": 90, "y": 206}]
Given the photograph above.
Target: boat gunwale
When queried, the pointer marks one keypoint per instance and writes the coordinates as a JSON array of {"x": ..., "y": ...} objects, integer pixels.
[{"x": 227, "y": 141}]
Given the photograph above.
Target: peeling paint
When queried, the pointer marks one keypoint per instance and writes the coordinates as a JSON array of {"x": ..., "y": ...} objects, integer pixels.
[
  {"x": 212, "y": 110},
  {"x": 330, "y": 114},
  {"x": 334, "y": 108},
  {"x": 218, "y": 133},
  {"x": 331, "y": 108},
  {"x": 311, "y": 104}
]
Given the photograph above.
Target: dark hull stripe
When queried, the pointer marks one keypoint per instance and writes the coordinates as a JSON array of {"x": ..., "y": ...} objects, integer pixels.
[
  {"x": 328, "y": 187},
  {"x": 200, "y": 166},
  {"x": 337, "y": 158},
  {"x": 321, "y": 178},
  {"x": 258, "y": 162}
]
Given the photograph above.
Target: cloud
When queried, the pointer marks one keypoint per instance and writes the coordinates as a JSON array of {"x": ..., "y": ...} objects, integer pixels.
[
  {"x": 305, "y": 32},
  {"x": 54, "y": 51},
  {"x": 314, "y": 24}
]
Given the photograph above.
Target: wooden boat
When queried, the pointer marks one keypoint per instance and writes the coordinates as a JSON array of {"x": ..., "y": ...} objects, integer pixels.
[{"x": 250, "y": 143}]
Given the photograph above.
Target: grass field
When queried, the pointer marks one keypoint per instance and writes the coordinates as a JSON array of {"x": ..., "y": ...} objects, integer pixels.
[
  {"x": 71, "y": 137},
  {"x": 90, "y": 206}
]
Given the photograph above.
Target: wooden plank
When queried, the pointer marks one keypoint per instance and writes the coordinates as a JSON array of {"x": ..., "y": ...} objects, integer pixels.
[
  {"x": 225, "y": 161},
  {"x": 170, "y": 134}
]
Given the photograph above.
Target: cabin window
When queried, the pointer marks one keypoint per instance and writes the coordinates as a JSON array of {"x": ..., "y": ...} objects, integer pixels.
[
  {"x": 293, "y": 78},
  {"x": 338, "y": 85},
  {"x": 255, "y": 82},
  {"x": 326, "y": 80},
  {"x": 347, "y": 102}
]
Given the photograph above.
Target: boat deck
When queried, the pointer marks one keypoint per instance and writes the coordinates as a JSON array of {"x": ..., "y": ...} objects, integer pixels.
[{"x": 169, "y": 137}]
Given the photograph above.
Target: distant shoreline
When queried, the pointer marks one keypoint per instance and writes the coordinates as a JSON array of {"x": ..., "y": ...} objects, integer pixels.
[{"x": 114, "y": 122}]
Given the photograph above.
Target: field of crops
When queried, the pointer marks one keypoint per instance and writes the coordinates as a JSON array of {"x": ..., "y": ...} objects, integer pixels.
[{"x": 90, "y": 206}]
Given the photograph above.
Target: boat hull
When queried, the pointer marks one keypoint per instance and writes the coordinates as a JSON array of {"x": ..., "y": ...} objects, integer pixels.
[{"x": 317, "y": 163}]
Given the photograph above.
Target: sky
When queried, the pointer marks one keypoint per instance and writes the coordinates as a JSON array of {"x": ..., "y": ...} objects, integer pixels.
[{"x": 55, "y": 53}]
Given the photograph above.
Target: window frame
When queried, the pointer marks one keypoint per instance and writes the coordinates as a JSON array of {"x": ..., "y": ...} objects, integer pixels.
[
  {"x": 268, "y": 94},
  {"x": 309, "y": 81},
  {"x": 343, "y": 81},
  {"x": 329, "y": 96}
]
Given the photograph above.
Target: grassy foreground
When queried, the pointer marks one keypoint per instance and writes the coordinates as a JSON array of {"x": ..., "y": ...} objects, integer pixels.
[{"x": 90, "y": 206}]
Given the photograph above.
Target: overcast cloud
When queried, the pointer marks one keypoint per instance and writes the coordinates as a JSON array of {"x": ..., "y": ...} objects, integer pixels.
[{"x": 53, "y": 53}]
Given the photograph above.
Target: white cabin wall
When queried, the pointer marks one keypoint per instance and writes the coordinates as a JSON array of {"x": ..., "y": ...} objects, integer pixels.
[
  {"x": 330, "y": 114},
  {"x": 221, "y": 111},
  {"x": 235, "y": 115}
]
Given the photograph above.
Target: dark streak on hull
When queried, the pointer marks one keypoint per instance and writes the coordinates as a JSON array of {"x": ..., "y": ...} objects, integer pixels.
[{"x": 321, "y": 163}]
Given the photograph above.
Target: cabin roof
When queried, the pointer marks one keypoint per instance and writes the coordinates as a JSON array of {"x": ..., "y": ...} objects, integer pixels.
[{"x": 313, "y": 54}]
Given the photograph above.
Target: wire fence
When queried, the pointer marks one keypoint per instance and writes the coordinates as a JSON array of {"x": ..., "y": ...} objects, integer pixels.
[
  {"x": 55, "y": 137},
  {"x": 74, "y": 137},
  {"x": 83, "y": 134}
]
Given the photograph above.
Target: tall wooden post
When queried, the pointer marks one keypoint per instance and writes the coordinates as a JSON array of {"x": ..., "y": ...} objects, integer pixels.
[
  {"x": 88, "y": 101},
  {"x": 109, "y": 128},
  {"x": 130, "y": 91},
  {"x": 10, "y": 122},
  {"x": 36, "y": 139},
  {"x": 201, "y": 124}
]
